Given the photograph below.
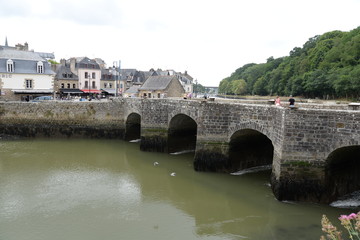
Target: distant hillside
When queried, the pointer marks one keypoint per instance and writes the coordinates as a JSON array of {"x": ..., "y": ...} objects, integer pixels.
[{"x": 327, "y": 65}]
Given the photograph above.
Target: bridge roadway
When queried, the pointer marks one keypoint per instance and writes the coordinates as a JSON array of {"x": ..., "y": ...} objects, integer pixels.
[{"x": 314, "y": 149}]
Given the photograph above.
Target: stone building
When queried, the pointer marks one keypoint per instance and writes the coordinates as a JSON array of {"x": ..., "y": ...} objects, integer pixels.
[
  {"x": 185, "y": 79},
  {"x": 84, "y": 76},
  {"x": 111, "y": 80},
  {"x": 80, "y": 75},
  {"x": 133, "y": 91},
  {"x": 133, "y": 77},
  {"x": 161, "y": 86},
  {"x": 66, "y": 81},
  {"x": 24, "y": 74}
]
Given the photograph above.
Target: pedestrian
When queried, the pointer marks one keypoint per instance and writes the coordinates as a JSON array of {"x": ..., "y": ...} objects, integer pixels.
[
  {"x": 291, "y": 101},
  {"x": 277, "y": 101}
]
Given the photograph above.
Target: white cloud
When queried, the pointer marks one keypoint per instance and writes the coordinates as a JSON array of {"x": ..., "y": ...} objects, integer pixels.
[{"x": 208, "y": 38}]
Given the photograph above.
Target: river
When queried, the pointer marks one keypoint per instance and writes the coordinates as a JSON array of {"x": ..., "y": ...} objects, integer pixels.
[{"x": 108, "y": 189}]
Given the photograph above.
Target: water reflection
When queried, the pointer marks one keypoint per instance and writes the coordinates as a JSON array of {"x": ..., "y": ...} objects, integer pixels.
[{"x": 91, "y": 189}]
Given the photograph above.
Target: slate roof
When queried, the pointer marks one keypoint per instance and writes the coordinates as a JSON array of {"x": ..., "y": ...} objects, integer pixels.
[
  {"x": 7, "y": 53},
  {"x": 133, "y": 89},
  {"x": 25, "y": 62},
  {"x": 157, "y": 82},
  {"x": 148, "y": 74},
  {"x": 87, "y": 63},
  {"x": 64, "y": 73},
  {"x": 127, "y": 74}
]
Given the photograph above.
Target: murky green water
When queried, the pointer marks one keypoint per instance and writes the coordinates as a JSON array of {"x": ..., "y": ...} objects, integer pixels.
[{"x": 107, "y": 189}]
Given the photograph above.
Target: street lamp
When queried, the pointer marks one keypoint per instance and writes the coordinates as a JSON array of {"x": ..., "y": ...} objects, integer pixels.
[
  {"x": 89, "y": 80},
  {"x": 196, "y": 87},
  {"x": 114, "y": 69}
]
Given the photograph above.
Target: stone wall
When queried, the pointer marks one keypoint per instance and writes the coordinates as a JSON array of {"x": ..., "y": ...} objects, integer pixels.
[{"x": 62, "y": 119}]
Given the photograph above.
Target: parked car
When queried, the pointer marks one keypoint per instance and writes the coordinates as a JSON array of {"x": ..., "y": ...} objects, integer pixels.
[{"x": 42, "y": 98}]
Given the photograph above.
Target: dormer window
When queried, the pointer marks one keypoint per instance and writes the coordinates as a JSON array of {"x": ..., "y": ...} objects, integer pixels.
[
  {"x": 10, "y": 65},
  {"x": 40, "y": 67}
]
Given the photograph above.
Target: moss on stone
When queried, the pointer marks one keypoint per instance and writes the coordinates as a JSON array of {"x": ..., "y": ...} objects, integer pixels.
[
  {"x": 91, "y": 111},
  {"x": 49, "y": 114},
  {"x": 215, "y": 143},
  {"x": 299, "y": 164},
  {"x": 162, "y": 130}
]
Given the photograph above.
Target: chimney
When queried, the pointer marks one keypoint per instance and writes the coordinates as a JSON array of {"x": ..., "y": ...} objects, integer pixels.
[{"x": 73, "y": 65}]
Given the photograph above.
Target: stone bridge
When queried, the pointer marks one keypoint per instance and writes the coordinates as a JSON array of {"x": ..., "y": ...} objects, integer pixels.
[{"x": 314, "y": 150}]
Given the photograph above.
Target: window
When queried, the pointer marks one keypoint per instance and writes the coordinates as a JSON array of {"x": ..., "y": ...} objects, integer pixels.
[
  {"x": 74, "y": 85},
  {"x": 62, "y": 85},
  {"x": 105, "y": 85},
  {"x": 158, "y": 95},
  {"x": 68, "y": 85},
  {"x": 86, "y": 84},
  {"x": 93, "y": 84},
  {"x": 40, "y": 67},
  {"x": 28, "y": 83},
  {"x": 10, "y": 65},
  {"x": 93, "y": 75},
  {"x": 110, "y": 85},
  {"x": 86, "y": 75}
]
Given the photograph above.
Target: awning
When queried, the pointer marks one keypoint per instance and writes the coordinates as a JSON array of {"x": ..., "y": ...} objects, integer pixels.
[
  {"x": 91, "y": 91},
  {"x": 32, "y": 91},
  {"x": 108, "y": 90},
  {"x": 71, "y": 90}
]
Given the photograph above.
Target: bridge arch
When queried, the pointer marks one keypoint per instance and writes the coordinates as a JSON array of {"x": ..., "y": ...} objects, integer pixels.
[
  {"x": 342, "y": 172},
  {"x": 266, "y": 131},
  {"x": 249, "y": 148},
  {"x": 133, "y": 127},
  {"x": 182, "y": 133}
]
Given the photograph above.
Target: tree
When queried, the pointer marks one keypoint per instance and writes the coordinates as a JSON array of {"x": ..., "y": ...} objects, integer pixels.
[
  {"x": 238, "y": 87},
  {"x": 326, "y": 64},
  {"x": 198, "y": 88},
  {"x": 225, "y": 86}
]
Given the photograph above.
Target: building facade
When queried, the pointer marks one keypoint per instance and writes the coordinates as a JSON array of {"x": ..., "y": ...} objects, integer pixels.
[
  {"x": 85, "y": 76},
  {"x": 24, "y": 74},
  {"x": 161, "y": 87}
]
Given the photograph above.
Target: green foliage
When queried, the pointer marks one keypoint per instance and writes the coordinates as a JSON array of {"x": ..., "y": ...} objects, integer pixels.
[
  {"x": 198, "y": 88},
  {"x": 238, "y": 87},
  {"x": 53, "y": 62},
  {"x": 326, "y": 65}
]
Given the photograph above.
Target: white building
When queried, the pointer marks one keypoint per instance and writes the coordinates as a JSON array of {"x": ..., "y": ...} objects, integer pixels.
[{"x": 24, "y": 73}]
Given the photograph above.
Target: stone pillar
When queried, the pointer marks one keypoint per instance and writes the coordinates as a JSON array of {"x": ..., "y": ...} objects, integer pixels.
[
  {"x": 299, "y": 181},
  {"x": 212, "y": 156},
  {"x": 154, "y": 140}
]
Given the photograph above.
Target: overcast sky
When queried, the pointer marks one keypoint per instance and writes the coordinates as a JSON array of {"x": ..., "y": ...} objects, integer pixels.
[{"x": 208, "y": 38}]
